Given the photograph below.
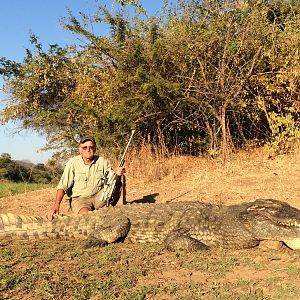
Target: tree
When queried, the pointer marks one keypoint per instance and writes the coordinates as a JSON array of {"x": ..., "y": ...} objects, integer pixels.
[
  {"x": 204, "y": 76},
  {"x": 12, "y": 171}
]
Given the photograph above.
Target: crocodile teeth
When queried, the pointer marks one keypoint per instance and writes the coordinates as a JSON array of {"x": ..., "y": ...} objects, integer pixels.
[
  {"x": 295, "y": 224},
  {"x": 289, "y": 224}
]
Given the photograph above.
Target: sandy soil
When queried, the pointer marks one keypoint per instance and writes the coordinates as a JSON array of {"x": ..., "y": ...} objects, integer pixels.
[{"x": 244, "y": 178}]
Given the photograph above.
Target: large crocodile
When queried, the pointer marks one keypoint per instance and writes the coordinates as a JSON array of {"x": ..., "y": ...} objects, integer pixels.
[{"x": 177, "y": 225}]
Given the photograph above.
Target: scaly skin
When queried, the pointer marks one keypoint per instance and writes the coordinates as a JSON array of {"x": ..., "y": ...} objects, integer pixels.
[{"x": 177, "y": 225}]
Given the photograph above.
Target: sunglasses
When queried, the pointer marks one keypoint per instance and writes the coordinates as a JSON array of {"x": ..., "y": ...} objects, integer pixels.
[{"x": 88, "y": 147}]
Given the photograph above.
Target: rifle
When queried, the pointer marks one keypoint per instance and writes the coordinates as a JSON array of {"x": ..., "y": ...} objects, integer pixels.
[{"x": 112, "y": 182}]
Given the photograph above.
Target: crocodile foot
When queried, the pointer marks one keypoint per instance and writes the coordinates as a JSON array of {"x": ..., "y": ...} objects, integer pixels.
[{"x": 180, "y": 239}]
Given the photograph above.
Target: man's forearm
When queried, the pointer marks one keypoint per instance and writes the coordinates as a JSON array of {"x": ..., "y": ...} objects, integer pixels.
[
  {"x": 55, "y": 208},
  {"x": 59, "y": 196}
]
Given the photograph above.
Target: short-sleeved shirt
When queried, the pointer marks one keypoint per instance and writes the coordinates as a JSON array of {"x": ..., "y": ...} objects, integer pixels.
[{"x": 81, "y": 180}]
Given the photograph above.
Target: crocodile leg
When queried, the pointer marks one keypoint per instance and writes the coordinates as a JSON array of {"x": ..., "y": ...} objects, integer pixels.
[
  {"x": 111, "y": 229},
  {"x": 180, "y": 239}
]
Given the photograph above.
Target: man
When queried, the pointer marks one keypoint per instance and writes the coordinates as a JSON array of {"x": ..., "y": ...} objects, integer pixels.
[{"x": 82, "y": 180}]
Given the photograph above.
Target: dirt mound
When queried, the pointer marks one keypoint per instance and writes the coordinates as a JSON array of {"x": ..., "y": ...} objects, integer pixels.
[{"x": 244, "y": 178}]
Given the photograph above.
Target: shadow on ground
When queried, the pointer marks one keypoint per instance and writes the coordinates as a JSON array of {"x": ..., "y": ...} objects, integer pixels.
[{"x": 146, "y": 199}]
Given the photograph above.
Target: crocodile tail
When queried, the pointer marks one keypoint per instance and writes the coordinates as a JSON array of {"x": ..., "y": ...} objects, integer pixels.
[{"x": 23, "y": 227}]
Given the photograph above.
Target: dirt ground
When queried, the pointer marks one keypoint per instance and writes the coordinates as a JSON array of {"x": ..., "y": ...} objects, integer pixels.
[{"x": 245, "y": 177}]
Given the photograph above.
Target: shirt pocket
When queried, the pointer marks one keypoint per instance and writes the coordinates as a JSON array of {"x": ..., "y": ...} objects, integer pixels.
[
  {"x": 98, "y": 178},
  {"x": 80, "y": 181}
]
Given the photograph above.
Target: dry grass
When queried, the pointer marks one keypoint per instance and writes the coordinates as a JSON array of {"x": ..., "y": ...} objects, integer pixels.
[
  {"x": 245, "y": 176},
  {"x": 151, "y": 165}
]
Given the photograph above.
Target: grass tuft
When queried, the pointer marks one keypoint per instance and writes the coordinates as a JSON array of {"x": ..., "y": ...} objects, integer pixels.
[{"x": 8, "y": 188}]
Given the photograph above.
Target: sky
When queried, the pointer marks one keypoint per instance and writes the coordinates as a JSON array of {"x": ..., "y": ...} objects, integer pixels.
[{"x": 19, "y": 18}]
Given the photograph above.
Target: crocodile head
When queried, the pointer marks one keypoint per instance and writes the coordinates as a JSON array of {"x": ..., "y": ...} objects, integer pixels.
[{"x": 269, "y": 219}]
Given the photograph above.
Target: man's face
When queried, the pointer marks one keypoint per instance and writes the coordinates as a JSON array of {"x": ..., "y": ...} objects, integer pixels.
[{"x": 87, "y": 149}]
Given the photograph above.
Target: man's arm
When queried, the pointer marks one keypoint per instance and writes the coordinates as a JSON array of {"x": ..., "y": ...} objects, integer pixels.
[
  {"x": 55, "y": 209},
  {"x": 66, "y": 181}
]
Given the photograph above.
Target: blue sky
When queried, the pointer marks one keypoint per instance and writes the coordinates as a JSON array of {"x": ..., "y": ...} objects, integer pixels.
[{"x": 18, "y": 18}]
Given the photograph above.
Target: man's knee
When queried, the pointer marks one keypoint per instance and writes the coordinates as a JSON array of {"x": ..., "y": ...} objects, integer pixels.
[
  {"x": 84, "y": 210},
  {"x": 81, "y": 205}
]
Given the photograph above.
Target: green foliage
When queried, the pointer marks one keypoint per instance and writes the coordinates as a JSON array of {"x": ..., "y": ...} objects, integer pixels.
[
  {"x": 10, "y": 170},
  {"x": 18, "y": 172},
  {"x": 9, "y": 188},
  {"x": 285, "y": 131},
  {"x": 203, "y": 76}
]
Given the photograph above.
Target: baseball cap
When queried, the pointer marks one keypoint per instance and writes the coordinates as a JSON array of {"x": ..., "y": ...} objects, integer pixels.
[{"x": 87, "y": 138}]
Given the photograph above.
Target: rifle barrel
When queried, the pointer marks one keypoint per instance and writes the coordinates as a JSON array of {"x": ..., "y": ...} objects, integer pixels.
[{"x": 122, "y": 161}]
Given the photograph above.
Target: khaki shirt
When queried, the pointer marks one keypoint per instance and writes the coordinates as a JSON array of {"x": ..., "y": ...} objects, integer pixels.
[{"x": 81, "y": 180}]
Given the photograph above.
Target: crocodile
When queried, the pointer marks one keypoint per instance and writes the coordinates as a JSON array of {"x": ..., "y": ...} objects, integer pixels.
[{"x": 176, "y": 225}]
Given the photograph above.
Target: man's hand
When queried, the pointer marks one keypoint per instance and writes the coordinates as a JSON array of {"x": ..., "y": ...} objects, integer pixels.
[
  {"x": 50, "y": 214},
  {"x": 55, "y": 209},
  {"x": 120, "y": 171}
]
